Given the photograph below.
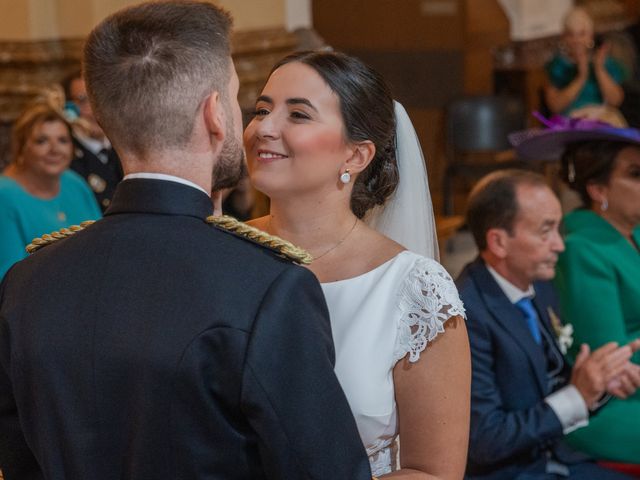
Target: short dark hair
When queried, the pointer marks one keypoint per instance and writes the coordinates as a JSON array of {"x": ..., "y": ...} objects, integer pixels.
[
  {"x": 589, "y": 162},
  {"x": 367, "y": 111},
  {"x": 493, "y": 202},
  {"x": 33, "y": 115},
  {"x": 149, "y": 67},
  {"x": 68, "y": 81}
]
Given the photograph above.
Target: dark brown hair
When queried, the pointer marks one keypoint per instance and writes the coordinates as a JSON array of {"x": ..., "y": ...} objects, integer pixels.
[
  {"x": 493, "y": 202},
  {"x": 149, "y": 67},
  {"x": 367, "y": 111},
  {"x": 33, "y": 115},
  {"x": 68, "y": 81},
  {"x": 589, "y": 162}
]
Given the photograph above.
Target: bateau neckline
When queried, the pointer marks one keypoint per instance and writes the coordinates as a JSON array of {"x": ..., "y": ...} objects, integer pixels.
[{"x": 368, "y": 272}]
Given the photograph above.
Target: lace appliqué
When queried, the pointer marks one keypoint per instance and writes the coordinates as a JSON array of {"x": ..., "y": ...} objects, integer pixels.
[
  {"x": 427, "y": 299},
  {"x": 384, "y": 459}
]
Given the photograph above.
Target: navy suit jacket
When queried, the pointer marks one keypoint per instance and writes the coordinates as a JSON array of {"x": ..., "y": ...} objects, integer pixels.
[
  {"x": 152, "y": 346},
  {"x": 512, "y": 428},
  {"x": 102, "y": 177}
]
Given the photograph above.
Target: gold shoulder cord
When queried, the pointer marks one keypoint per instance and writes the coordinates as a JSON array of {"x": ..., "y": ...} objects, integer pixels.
[
  {"x": 49, "y": 238},
  {"x": 281, "y": 246}
]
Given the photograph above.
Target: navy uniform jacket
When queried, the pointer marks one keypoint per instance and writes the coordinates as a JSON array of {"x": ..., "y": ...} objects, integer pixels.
[
  {"x": 102, "y": 177},
  {"x": 512, "y": 428},
  {"x": 152, "y": 346}
]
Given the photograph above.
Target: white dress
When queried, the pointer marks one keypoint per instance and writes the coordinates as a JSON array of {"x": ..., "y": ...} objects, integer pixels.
[{"x": 378, "y": 318}]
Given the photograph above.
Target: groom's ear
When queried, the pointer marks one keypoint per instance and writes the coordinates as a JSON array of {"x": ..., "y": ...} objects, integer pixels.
[
  {"x": 213, "y": 113},
  {"x": 362, "y": 154}
]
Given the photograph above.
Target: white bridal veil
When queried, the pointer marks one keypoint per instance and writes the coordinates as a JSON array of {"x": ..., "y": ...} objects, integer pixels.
[{"x": 407, "y": 216}]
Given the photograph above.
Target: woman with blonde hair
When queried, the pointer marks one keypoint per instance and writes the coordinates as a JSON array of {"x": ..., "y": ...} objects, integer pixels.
[
  {"x": 38, "y": 194},
  {"x": 582, "y": 74}
]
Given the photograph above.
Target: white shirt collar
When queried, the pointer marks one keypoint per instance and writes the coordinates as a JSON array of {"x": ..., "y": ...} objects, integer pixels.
[
  {"x": 513, "y": 293},
  {"x": 91, "y": 144},
  {"x": 163, "y": 176}
]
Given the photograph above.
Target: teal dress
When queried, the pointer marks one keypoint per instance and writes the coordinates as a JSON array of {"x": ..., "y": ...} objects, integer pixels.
[
  {"x": 598, "y": 280},
  {"x": 561, "y": 71},
  {"x": 24, "y": 217}
]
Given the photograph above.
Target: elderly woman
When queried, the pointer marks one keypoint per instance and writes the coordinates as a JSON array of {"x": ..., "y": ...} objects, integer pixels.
[
  {"x": 582, "y": 74},
  {"x": 38, "y": 194},
  {"x": 598, "y": 275}
]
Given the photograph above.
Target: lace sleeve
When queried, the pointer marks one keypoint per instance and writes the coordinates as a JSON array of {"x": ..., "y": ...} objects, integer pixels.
[{"x": 427, "y": 299}]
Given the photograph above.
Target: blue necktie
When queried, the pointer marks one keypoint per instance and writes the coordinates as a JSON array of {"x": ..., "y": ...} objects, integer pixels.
[{"x": 530, "y": 315}]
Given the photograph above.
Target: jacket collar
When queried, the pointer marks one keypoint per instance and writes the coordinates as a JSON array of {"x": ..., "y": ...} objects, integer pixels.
[
  {"x": 159, "y": 196},
  {"x": 508, "y": 315}
]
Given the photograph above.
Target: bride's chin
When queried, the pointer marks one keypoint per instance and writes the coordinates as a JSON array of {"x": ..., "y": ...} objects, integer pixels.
[{"x": 265, "y": 186}]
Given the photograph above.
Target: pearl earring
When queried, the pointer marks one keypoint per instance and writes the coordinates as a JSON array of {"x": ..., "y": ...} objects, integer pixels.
[
  {"x": 604, "y": 205},
  {"x": 345, "y": 177}
]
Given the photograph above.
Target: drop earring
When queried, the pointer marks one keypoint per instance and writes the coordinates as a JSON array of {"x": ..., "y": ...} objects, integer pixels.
[
  {"x": 345, "y": 177},
  {"x": 604, "y": 205}
]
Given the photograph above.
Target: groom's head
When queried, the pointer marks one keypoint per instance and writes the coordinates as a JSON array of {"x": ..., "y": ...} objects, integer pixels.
[{"x": 152, "y": 68}]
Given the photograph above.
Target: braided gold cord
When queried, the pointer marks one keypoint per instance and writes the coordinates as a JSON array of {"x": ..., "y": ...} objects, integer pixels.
[
  {"x": 49, "y": 238},
  {"x": 283, "y": 247}
]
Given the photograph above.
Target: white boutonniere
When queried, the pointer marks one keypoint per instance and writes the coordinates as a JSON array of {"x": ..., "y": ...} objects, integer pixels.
[{"x": 564, "y": 333}]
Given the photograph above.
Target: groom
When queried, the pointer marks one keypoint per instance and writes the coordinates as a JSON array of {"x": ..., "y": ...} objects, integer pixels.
[{"x": 154, "y": 345}]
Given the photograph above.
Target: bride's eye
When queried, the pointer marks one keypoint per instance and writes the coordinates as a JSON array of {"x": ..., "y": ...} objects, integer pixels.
[
  {"x": 260, "y": 112},
  {"x": 300, "y": 116}
]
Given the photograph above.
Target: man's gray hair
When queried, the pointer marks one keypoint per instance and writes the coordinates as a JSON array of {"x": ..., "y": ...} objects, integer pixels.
[{"x": 149, "y": 67}]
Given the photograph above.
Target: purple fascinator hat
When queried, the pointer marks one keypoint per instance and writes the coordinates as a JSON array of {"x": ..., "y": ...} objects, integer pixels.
[{"x": 549, "y": 143}]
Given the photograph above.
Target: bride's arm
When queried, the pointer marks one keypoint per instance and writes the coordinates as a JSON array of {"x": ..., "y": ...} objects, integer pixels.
[{"x": 433, "y": 398}]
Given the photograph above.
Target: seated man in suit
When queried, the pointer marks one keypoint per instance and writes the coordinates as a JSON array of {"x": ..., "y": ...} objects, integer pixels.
[
  {"x": 524, "y": 396},
  {"x": 94, "y": 158}
]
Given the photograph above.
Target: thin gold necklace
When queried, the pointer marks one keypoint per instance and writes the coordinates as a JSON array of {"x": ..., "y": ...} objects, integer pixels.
[{"x": 340, "y": 242}]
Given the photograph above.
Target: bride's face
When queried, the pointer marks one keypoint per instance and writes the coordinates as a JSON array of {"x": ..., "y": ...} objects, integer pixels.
[{"x": 296, "y": 142}]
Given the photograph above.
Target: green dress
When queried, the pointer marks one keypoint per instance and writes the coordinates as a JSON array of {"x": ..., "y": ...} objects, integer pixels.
[
  {"x": 598, "y": 279},
  {"x": 24, "y": 217}
]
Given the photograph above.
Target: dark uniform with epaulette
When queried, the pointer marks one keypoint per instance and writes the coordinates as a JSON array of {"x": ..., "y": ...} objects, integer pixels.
[
  {"x": 102, "y": 171},
  {"x": 153, "y": 345}
]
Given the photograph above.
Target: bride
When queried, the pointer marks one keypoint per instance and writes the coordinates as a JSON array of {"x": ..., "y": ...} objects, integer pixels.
[{"x": 322, "y": 147}]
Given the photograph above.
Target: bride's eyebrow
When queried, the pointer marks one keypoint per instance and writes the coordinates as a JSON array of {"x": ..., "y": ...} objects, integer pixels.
[
  {"x": 264, "y": 98},
  {"x": 303, "y": 101}
]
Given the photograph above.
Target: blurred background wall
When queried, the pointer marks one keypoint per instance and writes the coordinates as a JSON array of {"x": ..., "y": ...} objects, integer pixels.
[{"x": 431, "y": 51}]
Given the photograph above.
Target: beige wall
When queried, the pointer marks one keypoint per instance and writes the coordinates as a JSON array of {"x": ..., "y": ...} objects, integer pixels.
[{"x": 50, "y": 19}]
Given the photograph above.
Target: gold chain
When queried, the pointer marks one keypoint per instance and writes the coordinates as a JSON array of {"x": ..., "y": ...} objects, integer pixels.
[{"x": 333, "y": 247}]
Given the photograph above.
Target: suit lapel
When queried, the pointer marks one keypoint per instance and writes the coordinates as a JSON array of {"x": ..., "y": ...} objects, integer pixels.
[
  {"x": 511, "y": 319},
  {"x": 542, "y": 307}
]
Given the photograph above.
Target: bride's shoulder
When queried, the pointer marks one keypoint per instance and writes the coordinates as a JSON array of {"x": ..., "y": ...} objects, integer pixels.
[
  {"x": 421, "y": 270},
  {"x": 428, "y": 298}
]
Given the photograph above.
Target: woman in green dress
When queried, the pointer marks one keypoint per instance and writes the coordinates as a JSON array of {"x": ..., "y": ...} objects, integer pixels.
[{"x": 598, "y": 276}]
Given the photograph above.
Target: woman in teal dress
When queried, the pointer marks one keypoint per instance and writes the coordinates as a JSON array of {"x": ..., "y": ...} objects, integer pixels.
[
  {"x": 598, "y": 277},
  {"x": 38, "y": 194},
  {"x": 583, "y": 74}
]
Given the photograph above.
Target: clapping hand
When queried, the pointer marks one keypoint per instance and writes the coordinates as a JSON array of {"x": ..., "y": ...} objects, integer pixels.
[
  {"x": 628, "y": 381},
  {"x": 600, "y": 55},
  {"x": 594, "y": 372}
]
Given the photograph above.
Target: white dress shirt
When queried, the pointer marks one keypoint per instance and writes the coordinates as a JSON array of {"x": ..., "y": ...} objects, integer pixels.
[{"x": 164, "y": 176}]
